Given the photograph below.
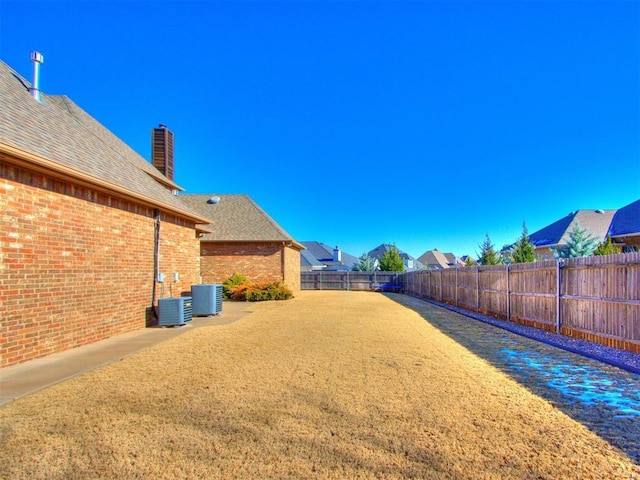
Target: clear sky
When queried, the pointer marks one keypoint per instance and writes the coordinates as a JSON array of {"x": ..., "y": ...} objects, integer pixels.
[{"x": 427, "y": 123}]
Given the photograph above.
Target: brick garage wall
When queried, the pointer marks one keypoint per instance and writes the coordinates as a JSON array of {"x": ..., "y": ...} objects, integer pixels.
[
  {"x": 292, "y": 268},
  {"x": 260, "y": 262},
  {"x": 76, "y": 265}
]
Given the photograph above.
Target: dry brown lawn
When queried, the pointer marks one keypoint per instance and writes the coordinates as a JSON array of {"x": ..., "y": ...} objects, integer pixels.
[{"x": 328, "y": 385}]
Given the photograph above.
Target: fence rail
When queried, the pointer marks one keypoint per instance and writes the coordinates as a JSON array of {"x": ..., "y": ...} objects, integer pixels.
[
  {"x": 591, "y": 298},
  {"x": 346, "y": 280}
]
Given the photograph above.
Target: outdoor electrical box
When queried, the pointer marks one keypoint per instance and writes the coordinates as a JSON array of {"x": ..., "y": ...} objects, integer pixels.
[{"x": 207, "y": 299}]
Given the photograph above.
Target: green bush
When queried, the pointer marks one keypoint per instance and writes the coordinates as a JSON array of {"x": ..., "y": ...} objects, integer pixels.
[
  {"x": 240, "y": 289},
  {"x": 268, "y": 291},
  {"x": 232, "y": 282},
  {"x": 607, "y": 248}
]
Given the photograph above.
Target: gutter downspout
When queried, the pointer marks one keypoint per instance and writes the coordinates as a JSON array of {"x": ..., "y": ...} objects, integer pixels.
[{"x": 156, "y": 262}]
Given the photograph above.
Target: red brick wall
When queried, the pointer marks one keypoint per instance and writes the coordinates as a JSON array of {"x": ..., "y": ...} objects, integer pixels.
[
  {"x": 259, "y": 262},
  {"x": 76, "y": 265},
  {"x": 292, "y": 268},
  {"x": 179, "y": 253}
]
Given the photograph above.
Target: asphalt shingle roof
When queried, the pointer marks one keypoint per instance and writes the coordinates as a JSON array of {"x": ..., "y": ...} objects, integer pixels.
[
  {"x": 323, "y": 254},
  {"x": 383, "y": 248},
  {"x": 236, "y": 218},
  {"x": 596, "y": 222},
  {"x": 434, "y": 259},
  {"x": 59, "y": 131},
  {"x": 308, "y": 260},
  {"x": 626, "y": 221}
]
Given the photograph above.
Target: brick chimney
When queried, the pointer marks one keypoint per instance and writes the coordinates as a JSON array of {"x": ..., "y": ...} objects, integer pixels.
[{"x": 162, "y": 150}]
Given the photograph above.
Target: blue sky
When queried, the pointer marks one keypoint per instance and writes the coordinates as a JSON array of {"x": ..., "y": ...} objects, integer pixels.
[{"x": 427, "y": 124}]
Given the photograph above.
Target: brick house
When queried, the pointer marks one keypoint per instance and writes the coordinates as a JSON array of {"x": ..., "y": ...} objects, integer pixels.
[
  {"x": 86, "y": 224},
  {"x": 245, "y": 240}
]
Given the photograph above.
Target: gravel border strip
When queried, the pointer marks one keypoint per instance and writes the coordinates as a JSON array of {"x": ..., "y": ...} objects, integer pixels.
[{"x": 628, "y": 361}]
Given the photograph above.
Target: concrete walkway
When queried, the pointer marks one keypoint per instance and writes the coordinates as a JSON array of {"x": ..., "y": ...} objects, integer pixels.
[{"x": 29, "y": 377}]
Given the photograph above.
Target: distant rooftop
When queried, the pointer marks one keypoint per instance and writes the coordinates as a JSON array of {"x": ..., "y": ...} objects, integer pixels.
[{"x": 596, "y": 222}]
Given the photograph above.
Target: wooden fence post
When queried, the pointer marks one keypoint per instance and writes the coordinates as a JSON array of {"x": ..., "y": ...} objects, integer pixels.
[
  {"x": 456, "y": 285},
  {"x": 478, "y": 288},
  {"x": 508, "y": 296},
  {"x": 558, "y": 302}
]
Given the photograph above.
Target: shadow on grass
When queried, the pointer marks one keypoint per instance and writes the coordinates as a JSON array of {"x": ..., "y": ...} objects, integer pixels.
[{"x": 604, "y": 398}]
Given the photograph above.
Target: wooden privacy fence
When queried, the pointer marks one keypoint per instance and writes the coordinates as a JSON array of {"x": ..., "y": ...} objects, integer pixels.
[
  {"x": 592, "y": 298},
  {"x": 346, "y": 280}
]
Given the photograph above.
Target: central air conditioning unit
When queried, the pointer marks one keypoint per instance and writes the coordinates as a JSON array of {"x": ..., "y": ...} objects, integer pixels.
[
  {"x": 174, "y": 311},
  {"x": 207, "y": 299}
]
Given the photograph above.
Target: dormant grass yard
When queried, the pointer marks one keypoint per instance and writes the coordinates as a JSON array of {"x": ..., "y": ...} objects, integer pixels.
[{"x": 327, "y": 385}]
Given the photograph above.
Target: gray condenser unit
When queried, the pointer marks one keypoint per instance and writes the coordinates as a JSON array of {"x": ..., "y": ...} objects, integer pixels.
[
  {"x": 207, "y": 299},
  {"x": 174, "y": 310}
]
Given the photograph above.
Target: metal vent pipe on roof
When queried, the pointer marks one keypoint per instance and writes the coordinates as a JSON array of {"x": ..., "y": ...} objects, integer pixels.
[{"x": 37, "y": 58}]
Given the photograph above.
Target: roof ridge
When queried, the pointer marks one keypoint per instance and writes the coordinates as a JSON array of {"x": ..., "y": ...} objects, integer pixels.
[
  {"x": 212, "y": 194},
  {"x": 268, "y": 218}
]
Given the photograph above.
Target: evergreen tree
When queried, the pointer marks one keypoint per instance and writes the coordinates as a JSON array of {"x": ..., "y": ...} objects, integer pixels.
[
  {"x": 580, "y": 244},
  {"x": 391, "y": 261},
  {"x": 607, "y": 248},
  {"x": 470, "y": 261},
  {"x": 523, "y": 251},
  {"x": 365, "y": 264},
  {"x": 488, "y": 254}
]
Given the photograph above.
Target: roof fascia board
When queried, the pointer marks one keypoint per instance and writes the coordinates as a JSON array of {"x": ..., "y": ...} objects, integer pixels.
[
  {"x": 622, "y": 235},
  {"x": 204, "y": 229},
  {"x": 288, "y": 243},
  {"x": 164, "y": 181},
  {"x": 39, "y": 164}
]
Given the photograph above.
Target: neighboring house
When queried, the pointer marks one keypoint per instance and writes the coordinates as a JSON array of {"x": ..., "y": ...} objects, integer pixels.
[
  {"x": 455, "y": 260},
  {"x": 309, "y": 263},
  {"x": 596, "y": 223},
  {"x": 86, "y": 227},
  {"x": 625, "y": 227},
  {"x": 436, "y": 260},
  {"x": 464, "y": 260},
  {"x": 245, "y": 240},
  {"x": 410, "y": 263},
  {"x": 319, "y": 256}
]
